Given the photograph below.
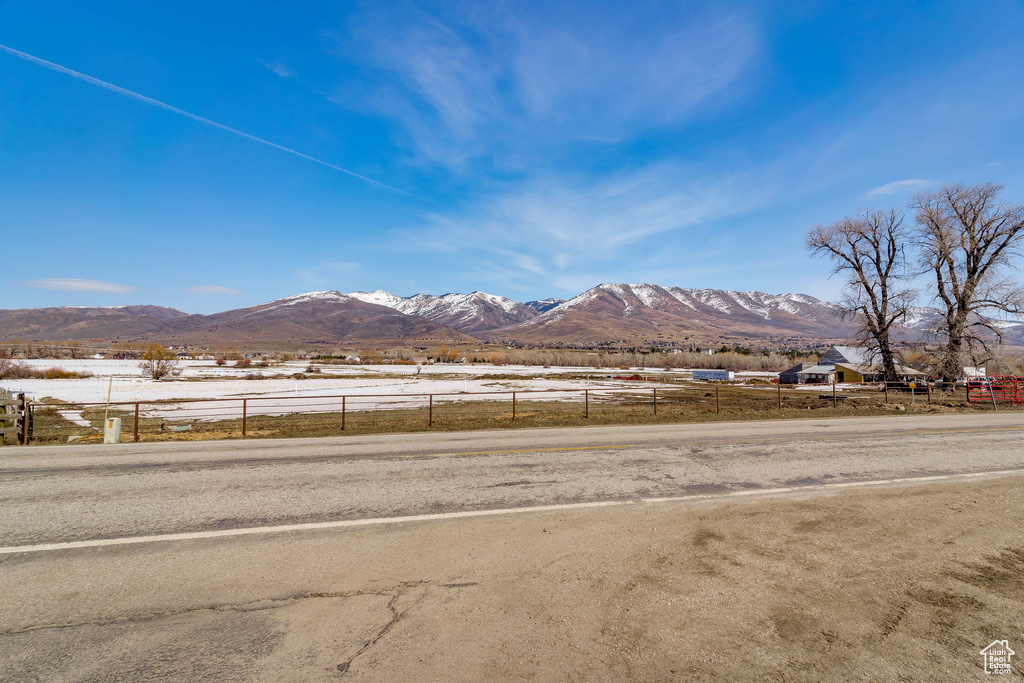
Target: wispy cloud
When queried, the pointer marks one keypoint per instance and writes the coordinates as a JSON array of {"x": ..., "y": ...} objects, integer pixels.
[
  {"x": 555, "y": 229},
  {"x": 993, "y": 163},
  {"x": 898, "y": 187},
  {"x": 504, "y": 81},
  {"x": 77, "y": 285},
  {"x": 213, "y": 289},
  {"x": 279, "y": 68}
]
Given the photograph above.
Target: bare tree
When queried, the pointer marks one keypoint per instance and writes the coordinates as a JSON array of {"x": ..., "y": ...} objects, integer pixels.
[
  {"x": 967, "y": 238},
  {"x": 869, "y": 250},
  {"x": 158, "y": 362}
]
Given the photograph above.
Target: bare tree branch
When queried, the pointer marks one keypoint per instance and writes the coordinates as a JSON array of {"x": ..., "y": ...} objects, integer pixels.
[
  {"x": 967, "y": 237},
  {"x": 868, "y": 249}
]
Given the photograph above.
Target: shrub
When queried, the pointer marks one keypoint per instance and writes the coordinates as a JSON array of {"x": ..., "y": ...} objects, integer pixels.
[
  {"x": 13, "y": 370},
  {"x": 221, "y": 361},
  {"x": 158, "y": 362},
  {"x": 243, "y": 362},
  {"x": 10, "y": 369},
  {"x": 61, "y": 373}
]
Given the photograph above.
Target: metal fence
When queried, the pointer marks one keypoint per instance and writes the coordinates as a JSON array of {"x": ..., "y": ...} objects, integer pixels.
[
  {"x": 1006, "y": 389},
  {"x": 319, "y": 415}
]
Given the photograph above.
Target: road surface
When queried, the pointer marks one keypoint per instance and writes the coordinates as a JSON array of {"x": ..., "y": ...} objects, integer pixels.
[
  {"x": 55, "y": 495},
  {"x": 561, "y": 554}
]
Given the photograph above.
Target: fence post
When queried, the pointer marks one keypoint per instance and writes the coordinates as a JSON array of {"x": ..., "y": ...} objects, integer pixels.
[
  {"x": 245, "y": 414},
  {"x": 430, "y": 414},
  {"x": 25, "y": 408},
  {"x": 779, "y": 386},
  {"x": 342, "y": 413},
  {"x": 136, "y": 422},
  {"x": 885, "y": 387},
  {"x": 927, "y": 384},
  {"x": 718, "y": 404},
  {"x": 834, "y": 401},
  {"x": 655, "y": 401},
  {"x": 513, "y": 406},
  {"x": 586, "y": 403}
]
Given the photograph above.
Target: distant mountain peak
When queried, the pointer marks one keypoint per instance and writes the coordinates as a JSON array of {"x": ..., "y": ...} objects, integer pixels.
[
  {"x": 544, "y": 305},
  {"x": 474, "y": 313}
]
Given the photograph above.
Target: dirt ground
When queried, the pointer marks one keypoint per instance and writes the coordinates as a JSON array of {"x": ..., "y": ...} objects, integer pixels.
[{"x": 885, "y": 584}]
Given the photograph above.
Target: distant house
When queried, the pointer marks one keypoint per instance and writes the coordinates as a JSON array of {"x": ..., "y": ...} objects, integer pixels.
[
  {"x": 791, "y": 376},
  {"x": 817, "y": 374},
  {"x": 844, "y": 364},
  {"x": 873, "y": 373}
]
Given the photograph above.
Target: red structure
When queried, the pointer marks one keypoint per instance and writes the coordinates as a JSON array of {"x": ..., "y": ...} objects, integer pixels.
[{"x": 1005, "y": 388}]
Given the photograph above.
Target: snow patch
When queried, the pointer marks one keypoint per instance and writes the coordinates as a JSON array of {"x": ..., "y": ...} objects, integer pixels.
[{"x": 379, "y": 297}]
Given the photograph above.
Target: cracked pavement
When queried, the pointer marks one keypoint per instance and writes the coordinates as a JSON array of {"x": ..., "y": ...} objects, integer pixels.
[{"x": 642, "y": 591}]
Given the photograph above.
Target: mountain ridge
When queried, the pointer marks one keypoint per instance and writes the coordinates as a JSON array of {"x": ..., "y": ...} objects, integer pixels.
[{"x": 609, "y": 312}]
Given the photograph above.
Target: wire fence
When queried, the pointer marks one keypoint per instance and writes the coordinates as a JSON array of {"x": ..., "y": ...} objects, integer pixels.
[{"x": 322, "y": 415}]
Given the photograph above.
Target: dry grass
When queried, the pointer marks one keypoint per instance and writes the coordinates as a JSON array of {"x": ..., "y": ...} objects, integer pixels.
[
  {"x": 10, "y": 369},
  {"x": 674, "y": 405}
]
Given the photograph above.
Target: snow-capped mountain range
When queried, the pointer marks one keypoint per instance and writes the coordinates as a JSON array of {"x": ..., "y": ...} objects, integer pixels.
[
  {"x": 634, "y": 313},
  {"x": 471, "y": 313},
  {"x": 605, "y": 311},
  {"x": 647, "y": 311}
]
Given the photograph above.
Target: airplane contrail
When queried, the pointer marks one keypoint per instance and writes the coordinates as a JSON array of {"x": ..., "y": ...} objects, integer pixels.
[{"x": 163, "y": 105}]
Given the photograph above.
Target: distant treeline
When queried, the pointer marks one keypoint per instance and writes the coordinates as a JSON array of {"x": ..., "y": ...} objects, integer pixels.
[{"x": 688, "y": 359}]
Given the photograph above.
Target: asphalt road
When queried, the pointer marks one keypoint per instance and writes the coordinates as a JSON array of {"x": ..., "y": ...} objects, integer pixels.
[
  {"x": 54, "y": 495},
  {"x": 174, "y": 561}
]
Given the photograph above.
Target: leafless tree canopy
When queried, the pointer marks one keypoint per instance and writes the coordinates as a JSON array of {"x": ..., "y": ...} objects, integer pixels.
[
  {"x": 967, "y": 238},
  {"x": 868, "y": 250},
  {"x": 158, "y": 362}
]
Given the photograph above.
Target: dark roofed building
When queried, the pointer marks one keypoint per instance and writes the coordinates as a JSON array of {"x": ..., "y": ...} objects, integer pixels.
[{"x": 790, "y": 376}]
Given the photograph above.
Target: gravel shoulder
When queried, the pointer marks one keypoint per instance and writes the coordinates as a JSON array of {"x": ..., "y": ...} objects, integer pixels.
[{"x": 898, "y": 583}]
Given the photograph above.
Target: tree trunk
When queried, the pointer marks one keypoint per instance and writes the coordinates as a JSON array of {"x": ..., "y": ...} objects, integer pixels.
[
  {"x": 952, "y": 361},
  {"x": 888, "y": 363}
]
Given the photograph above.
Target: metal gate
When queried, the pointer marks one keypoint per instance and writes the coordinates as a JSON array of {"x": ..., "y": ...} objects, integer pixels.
[{"x": 1004, "y": 388}]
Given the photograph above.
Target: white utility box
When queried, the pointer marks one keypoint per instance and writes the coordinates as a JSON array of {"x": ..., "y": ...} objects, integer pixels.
[{"x": 112, "y": 430}]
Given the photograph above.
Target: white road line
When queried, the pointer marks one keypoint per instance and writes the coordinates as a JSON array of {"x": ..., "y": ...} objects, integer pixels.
[
  {"x": 296, "y": 527},
  {"x": 838, "y": 485},
  {"x": 348, "y": 523}
]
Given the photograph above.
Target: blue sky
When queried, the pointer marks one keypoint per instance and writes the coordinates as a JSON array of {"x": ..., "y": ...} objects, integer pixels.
[{"x": 523, "y": 149}]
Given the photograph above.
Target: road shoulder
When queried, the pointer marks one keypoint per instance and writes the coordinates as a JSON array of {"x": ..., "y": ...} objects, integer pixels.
[{"x": 869, "y": 584}]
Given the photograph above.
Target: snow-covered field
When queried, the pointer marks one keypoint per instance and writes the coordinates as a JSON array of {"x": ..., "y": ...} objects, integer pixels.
[{"x": 366, "y": 387}]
